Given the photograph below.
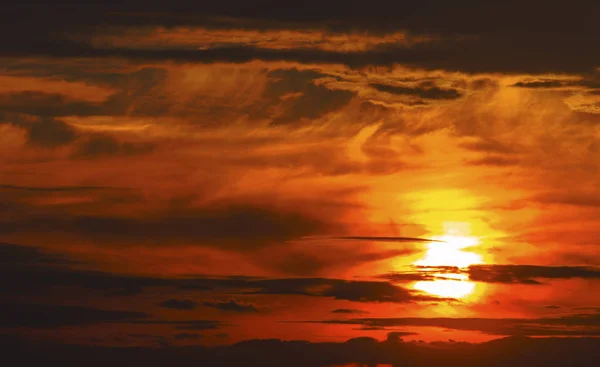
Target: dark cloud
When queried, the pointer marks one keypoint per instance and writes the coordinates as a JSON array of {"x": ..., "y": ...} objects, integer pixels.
[
  {"x": 27, "y": 280},
  {"x": 409, "y": 276},
  {"x": 514, "y": 351},
  {"x": 594, "y": 309},
  {"x": 507, "y": 37},
  {"x": 18, "y": 256},
  {"x": 52, "y": 316},
  {"x": 539, "y": 84},
  {"x": 56, "y": 188},
  {"x": 186, "y": 336},
  {"x": 50, "y": 133},
  {"x": 426, "y": 93},
  {"x": 384, "y": 239},
  {"x": 234, "y": 226},
  {"x": 395, "y": 335},
  {"x": 47, "y": 105},
  {"x": 348, "y": 311},
  {"x": 509, "y": 274},
  {"x": 182, "y": 324},
  {"x": 494, "y": 160},
  {"x": 528, "y": 274},
  {"x": 311, "y": 101},
  {"x": 578, "y": 324},
  {"x": 552, "y": 307},
  {"x": 102, "y": 145},
  {"x": 232, "y": 305},
  {"x": 488, "y": 146},
  {"x": 207, "y": 325},
  {"x": 184, "y": 304},
  {"x": 307, "y": 263},
  {"x": 581, "y": 199}
]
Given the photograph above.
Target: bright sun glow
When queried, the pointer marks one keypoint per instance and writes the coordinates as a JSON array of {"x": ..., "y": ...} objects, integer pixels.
[
  {"x": 454, "y": 250},
  {"x": 447, "y": 288},
  {"x": 450, "y": 252}
]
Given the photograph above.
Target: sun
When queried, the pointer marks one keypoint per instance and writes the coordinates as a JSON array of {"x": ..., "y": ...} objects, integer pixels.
[{"x": 452, "y": 250}]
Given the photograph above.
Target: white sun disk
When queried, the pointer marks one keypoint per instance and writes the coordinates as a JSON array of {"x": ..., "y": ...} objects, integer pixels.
[{"x": 451, "y": 251}]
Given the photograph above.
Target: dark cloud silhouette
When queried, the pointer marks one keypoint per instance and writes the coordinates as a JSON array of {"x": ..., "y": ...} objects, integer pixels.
[
  {"x": 19, "y": 256},
  {"x": 539, "y": 84},
  {"x": 50, "y": 133},
  {"x": 311, "y": 100},
  {"x": 358, "y": 291},
  {"x": 527, "y": 274},
  {"x": 181, "y": 324},
  {"x": 184, "y": 304},
  {"x": 552, "y": 307},
  {"x": 348, "y": 311},
  {"x": 515, "y": 351},
  {"x": 395, "y": 335},
  {"x": 101, "y": 145},
  {"x": 518, "y": 43},
  {"x": 56, "y": 189},
  {"x": 488, "y": 146},
  {"x": 47, "y": 105},
  {"x": 426, "y": 93},
  {"x": 186, "y": 336},
  {"x": 240, "y": 227},
  {"x": 494, "y": 160},
  {"x": 307, "y": 263},
  {"x": 232, "y": 305},
  {"x": 52, "y": 316},
  {"x": 28, "y": 280},
  {"x": 209, "y": 325},
  {"x": 384, "y": 239},
  {"x": 577, "y": 324},
  {"x": 498, "y": 273}
]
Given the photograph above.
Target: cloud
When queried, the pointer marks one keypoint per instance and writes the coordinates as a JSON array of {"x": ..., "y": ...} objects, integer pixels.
[
  {"x": 527, "y": 274},
  {"x": 395, "y": 335},
  {"x": 494, "y": 160},
  {"x": 384, "y": 239},
  {"x": 29, "y": 280},
  {"x": 185, "y": 304},
  {"x": 56, "y": 188},
  {"x": 498, "y": 273},
  {"x": 515, "y": 351},
  {"x": 239, "y": 227},
  {"x": 485, "y": 43},
  {"x": 47, "y": 105},
  {"x": 357, "y": 291},
  {"x": 101, "y": 145},
  {"x": 53, "y": 316},
  {"x": 324, "y": 257},
  {"x": 186, "y": 336},
  {"x": 181, "y": 324},
  {"x": 232, "y": 305},
  {"x": 577, "y": 324},
  {"x": 488, "y": 145},
  {"x": 539, "y": 84},
  {"x": 348, "y": 311},
  {"x": 308, "y": 100},
  {"x": 16, "y": 256},
  {"x": 426, "y": 93},
  {"x": 50, "y": 133}
]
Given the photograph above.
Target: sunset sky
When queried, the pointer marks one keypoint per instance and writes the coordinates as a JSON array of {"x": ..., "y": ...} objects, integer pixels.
[{"x": 202, "y": 174}]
